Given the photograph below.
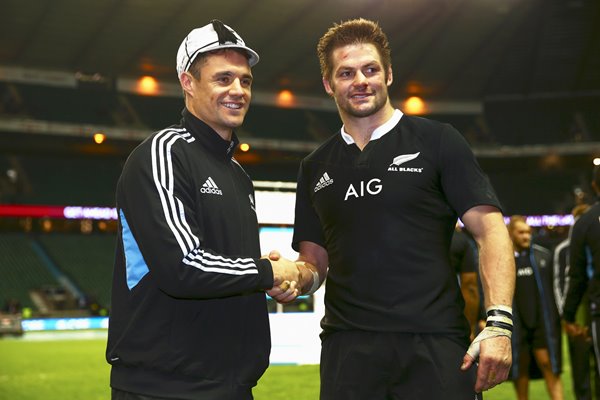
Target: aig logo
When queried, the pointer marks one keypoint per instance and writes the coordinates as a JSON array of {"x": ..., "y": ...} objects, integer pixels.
[{"x": 373, "y": 187}]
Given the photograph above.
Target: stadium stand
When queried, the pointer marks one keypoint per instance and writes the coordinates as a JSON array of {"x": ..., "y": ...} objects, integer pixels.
[
  {"x": 87, "y": 260},
  {"x": 21, "y": 270},
  {"x": 69, "y": 104},
  {"x": 290, "y": 124},
  {"x": 543, "y": 120},
  {"x": 11, "y": 101},
  {"x": 70, "y": 181},
  {"x": 155, "y": 112}
]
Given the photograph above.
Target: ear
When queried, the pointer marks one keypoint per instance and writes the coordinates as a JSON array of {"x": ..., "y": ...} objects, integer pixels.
[
  {"x": 327, "y": 86},
  {"x": 390, "y": 76},
  {"x": 187, "y": 83}
]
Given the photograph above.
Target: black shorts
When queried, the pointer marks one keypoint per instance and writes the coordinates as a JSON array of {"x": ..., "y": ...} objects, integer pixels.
[
  {"x": 117, "y": 394},
  {"x": 532, "y": 338},
  {"x": 358, "y": 365}
]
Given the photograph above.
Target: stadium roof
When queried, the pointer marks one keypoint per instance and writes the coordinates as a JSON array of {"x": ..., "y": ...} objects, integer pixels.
[{"x": 446, "y": 50}]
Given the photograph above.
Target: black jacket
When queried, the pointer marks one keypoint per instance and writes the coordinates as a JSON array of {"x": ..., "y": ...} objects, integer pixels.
[
  {"x": 584, "y": 262},
  {"x": 541, "y": 263},
  {"x": 188, "y": 315}
]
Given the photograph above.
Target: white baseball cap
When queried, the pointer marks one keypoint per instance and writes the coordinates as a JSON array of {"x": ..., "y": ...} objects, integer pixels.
[{"x": 213, "y": 36}]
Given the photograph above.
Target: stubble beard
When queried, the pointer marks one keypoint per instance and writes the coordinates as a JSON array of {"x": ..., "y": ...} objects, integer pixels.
[{"x": 348, "y": 108}]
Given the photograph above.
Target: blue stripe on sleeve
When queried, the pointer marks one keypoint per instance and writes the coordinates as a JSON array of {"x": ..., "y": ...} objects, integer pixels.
[{"x": 135, "y": 266}]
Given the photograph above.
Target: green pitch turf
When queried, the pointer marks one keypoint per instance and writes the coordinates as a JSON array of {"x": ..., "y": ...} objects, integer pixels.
[{"x": 75, "y": 369}]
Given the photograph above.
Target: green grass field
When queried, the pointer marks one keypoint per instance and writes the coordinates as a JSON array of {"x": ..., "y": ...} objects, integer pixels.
[{"x": 75, "y": 369}]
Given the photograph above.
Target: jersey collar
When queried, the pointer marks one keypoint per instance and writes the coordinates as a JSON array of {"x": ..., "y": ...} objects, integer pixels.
[
  {"x": 379, "y": 131},
  {"x": 208, "y": 137}
]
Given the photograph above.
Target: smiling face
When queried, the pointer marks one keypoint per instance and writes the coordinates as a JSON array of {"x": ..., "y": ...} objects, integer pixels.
[
  {"x": 221, "y": 95},
  {"x": 359, "y": 82}
]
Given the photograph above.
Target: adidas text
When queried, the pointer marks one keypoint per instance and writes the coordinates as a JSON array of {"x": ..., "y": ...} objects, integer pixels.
[{"x": 211, "y": 191}]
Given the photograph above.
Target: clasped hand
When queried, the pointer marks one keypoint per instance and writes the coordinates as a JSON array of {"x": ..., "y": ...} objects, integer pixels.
[
  {"x": 574, "y": 330},
  {"x": 286, "y": 277}
]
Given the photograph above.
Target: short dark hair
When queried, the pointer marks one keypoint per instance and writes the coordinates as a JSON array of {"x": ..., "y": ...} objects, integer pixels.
[
  {"x": 354, "y": 31},
  {"x": 201, "y": 58}
]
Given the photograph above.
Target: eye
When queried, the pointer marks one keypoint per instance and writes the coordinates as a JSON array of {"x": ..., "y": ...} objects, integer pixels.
[
  {"x": 246, "y": 82},
  {"x": 224, "y": 79}
]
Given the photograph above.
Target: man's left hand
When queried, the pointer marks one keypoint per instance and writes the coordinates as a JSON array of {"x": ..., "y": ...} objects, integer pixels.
[
  {"x": 495, "y": 359},
  {"x": 285, "y": 293}
]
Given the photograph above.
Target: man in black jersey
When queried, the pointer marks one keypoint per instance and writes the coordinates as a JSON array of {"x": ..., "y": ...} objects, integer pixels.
[
  {"x": 377, "y": 204},
  {"x": 584, "y": 251},
  {"x": 536, "y": 337},
  {"x": 189, "y": 315}
]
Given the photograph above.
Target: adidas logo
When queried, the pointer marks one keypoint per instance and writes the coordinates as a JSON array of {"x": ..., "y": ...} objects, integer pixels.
[
  {"x": 210, "y": 187},
  {"x": 323, "y": 182}
]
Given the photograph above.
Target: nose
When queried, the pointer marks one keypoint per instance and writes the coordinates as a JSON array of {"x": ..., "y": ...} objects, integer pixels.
[
  {"x": 360, "y": 78},
  {"x": 236, "y": 87}
]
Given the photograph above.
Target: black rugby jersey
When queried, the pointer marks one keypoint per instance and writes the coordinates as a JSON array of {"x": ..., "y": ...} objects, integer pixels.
[{"x": 386, "y": 216}]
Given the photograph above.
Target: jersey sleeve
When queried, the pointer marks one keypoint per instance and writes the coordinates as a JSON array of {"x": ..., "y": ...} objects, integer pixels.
[
  {"x": 464, "y": 182},
  {"x": 577, "y": 275},
  {"x": 307, "y": 226},
  {"x": 161, "y": 233}
]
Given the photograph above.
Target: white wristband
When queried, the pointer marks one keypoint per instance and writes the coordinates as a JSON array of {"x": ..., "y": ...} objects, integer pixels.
[
  {"x": 316, "y": 280},
  {"x": 316, "y": 283},
  {"x": 499, "y": 323}
]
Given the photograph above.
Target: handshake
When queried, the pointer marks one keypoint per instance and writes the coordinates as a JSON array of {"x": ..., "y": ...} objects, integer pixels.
[{"x": 291, "y": 278}]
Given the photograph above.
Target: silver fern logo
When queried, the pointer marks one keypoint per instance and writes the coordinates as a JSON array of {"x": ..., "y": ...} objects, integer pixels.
[{"x": 402, "y": 159}]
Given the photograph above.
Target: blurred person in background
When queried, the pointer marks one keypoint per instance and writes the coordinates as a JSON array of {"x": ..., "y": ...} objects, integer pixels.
[
  {"x": 377, "y": 203},
  {"x": 584, "y": 271},
  {"x": 12, "y": 306},
  {"x": 580, "y": 347},
  {"x": 189, "y": 315},
  {"x": 464, "y": 259},
  {"x": 537, "y": 333}
]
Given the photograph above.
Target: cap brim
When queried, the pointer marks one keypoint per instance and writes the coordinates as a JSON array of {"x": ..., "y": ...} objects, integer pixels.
[{"x": 253, "y": 57}]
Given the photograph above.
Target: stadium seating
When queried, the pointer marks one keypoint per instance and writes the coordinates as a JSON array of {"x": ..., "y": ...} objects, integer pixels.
[
  {"x": 87, "y": 260},
  {"x": 69, "y": 104},
  {"x": 156, "y": 112},
  {"x": 82, "y": 181},
  {"x": 290, "y": 124},
  {"x": 21, "y": 270}
]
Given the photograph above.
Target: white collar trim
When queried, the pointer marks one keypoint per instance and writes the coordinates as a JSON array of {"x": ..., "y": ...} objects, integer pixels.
[{"x": 379, "y": 131}]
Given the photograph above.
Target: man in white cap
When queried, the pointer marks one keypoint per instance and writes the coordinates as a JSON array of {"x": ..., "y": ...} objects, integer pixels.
[{"x": 189, "y": 317}]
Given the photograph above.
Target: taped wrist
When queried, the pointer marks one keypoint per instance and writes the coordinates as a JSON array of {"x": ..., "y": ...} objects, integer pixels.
[
  {"x": 316, "y": 280},
  {"x": 498, "y": 323}
]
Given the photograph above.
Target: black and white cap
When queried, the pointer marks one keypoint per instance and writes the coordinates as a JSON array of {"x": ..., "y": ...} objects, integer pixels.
[{"x": 210, "y": 37}]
